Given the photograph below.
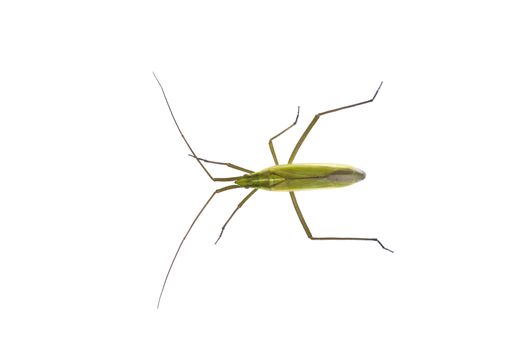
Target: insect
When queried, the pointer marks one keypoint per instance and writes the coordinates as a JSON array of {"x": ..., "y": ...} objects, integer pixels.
[{"x": 288, "y": 177}]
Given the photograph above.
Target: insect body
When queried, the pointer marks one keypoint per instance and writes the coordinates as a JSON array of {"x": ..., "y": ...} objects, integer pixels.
[
  {"x": 297, "y": 177},
  {"x": 280, "y": 177}
]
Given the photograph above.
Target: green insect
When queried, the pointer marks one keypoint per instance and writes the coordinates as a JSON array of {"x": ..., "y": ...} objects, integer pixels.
[{"x": 280, "y": 177}]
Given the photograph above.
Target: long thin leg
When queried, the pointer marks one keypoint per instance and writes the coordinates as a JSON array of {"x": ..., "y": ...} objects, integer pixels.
[
  {"x": 184, "y": 138},
  {"x": 229, "y": 165},
  {"x": 312, "y": 123},
  {"x": 238, "y": 207},
  {"x": 270, "y": 143},
  {"x": 231, "y": 187},
  {"x": 309, "y": 234}
]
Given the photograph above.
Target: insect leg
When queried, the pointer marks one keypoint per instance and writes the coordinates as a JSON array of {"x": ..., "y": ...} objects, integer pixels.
[
  {"x": 270, "y": 143},
  {"x": 309, "y": 234},
  {"x": 312, "y": 123},
  {"x": 230, "y": 165},
  {"x": 184, "y": 138},
  {"x": 231, "y": 187},
  {"x": 238, "y": 207}
]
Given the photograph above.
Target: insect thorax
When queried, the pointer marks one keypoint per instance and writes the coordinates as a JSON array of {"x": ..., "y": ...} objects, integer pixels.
[{"x": 262, "y": 179}]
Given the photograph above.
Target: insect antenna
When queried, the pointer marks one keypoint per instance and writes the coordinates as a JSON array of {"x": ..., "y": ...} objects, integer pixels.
[
  {"x": 186, "y": 141},
  {"x": 231, "y": 187}
]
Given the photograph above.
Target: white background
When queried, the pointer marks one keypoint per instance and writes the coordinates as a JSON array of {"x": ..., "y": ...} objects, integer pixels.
[{"x": 97, "y": 189}]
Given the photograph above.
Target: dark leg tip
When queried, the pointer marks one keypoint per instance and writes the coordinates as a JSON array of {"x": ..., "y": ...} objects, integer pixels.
[
  {"x": 220, "y": 235},
  {"x": 382, "y": 246}
]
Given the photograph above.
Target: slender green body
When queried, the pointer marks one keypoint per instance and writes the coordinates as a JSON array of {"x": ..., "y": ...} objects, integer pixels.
[{"x": 298, "y": 177}]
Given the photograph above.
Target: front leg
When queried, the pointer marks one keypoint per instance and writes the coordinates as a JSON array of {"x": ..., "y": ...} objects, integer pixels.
[{"x": 229, "y": 165}]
